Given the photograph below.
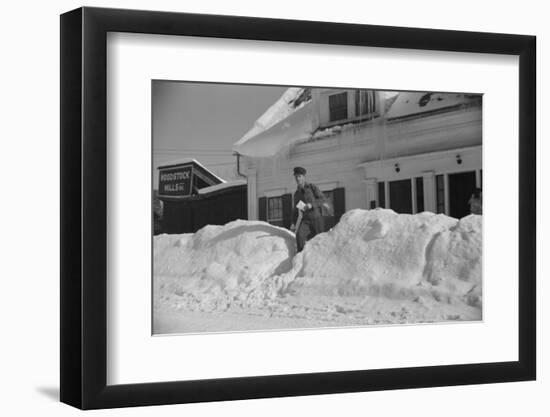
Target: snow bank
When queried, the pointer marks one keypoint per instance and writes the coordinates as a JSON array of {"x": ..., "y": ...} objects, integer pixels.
[
  {"x": 221, "y": 266},
  {"x": 377, "y": 255},
  {"x": 396, "y": 256}
]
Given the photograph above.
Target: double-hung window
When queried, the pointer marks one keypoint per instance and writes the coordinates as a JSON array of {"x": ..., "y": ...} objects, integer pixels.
[
  {"x": 338, "y": 106},
  {"x": 275, "y": 210}
]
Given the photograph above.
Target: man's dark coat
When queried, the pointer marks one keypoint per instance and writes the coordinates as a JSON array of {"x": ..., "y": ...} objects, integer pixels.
[{"x": 312, "y": 219}]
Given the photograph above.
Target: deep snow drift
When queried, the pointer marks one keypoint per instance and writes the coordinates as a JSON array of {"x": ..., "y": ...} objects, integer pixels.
[{"x": 373, "y": 267}]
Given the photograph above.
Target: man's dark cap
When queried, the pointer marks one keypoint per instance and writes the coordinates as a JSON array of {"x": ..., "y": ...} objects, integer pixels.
[{"x": 299, "y": 171}]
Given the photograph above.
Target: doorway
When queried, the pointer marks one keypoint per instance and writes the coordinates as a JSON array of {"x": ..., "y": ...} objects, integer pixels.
[
  {"x": 401, "y": 196},
  {"x": 461, "y": 187}
]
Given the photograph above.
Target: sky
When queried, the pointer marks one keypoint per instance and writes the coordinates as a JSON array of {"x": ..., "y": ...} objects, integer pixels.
[{"x": 204, "y": 120}]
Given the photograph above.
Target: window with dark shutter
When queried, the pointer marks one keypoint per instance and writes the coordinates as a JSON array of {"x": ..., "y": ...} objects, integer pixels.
[
  {"x": 339, "y": 196},
  {"x": 338, "y": 106},
  {"x": 329, "y": 199},
  {"x": 275, "y": 210},
  {"x": 327, "y": 210}
]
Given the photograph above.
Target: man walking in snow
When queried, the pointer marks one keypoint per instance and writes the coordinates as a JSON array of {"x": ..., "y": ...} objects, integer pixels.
[{"x": 308, "y": 200}]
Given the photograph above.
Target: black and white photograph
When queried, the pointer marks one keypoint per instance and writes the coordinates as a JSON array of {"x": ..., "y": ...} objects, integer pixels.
[
  {"x": 275, "y": 209},
  {"x": 298, "y": 207}
]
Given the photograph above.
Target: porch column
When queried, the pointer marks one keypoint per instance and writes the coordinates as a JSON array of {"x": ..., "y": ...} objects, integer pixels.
[
  {"x": 447, "y": 195},
  {"x": 429, "y": 191},
  {"x": 372, "y": 191},
  {"x": 252, "y": 193},
  {"x": 413, "y": 195},
  {"x": 478, "y": 178},
  {"x": 387, "y": 194}
]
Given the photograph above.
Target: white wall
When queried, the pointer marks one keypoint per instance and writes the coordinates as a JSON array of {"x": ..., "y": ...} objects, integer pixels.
[
  {"x": 353, "y": 155},
  {"x": 461, "y": 128},
  {"x": 30, "y": 265}
]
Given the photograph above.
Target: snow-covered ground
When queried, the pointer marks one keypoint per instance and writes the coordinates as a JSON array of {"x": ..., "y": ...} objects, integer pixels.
[{"x": 373, "y": 267}]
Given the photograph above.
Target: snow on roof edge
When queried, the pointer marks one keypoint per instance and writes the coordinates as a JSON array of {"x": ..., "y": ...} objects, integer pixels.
[
  {"x": 278, "y": 111},
  {"x": 217, "y": 187},
  {"x": 296, "y": 127},
  {"x": 408, "y": 103},
  {"x": 189, "y": 160}
]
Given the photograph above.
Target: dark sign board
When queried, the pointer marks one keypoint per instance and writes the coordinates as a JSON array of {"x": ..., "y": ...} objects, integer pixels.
[{"x": 176, "y": 181}]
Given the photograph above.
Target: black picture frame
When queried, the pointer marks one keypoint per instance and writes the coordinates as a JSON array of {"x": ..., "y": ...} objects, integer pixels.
[{"x": 84, "y": 207}]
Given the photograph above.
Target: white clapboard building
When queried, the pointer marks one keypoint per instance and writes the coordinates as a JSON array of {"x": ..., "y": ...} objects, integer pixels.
[{"x": 408, "y": 151}]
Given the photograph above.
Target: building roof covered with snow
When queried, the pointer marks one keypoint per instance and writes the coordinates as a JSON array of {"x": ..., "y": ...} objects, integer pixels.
[
  {"x": 288, "y": 120},
  {"x": 409, "y": 104},
  {"x": 292, "y": 119},
  {"x": 224, "y": 186}
]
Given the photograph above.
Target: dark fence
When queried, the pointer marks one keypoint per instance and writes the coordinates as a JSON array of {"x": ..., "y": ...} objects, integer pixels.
[{"x": 216, "y": 208}]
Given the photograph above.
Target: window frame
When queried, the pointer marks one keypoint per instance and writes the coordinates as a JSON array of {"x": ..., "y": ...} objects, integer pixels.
[
  {"x": 274, "y": 219},
  {"x": 362, "y": 113},
  {"x": 345, "y": 104}
]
